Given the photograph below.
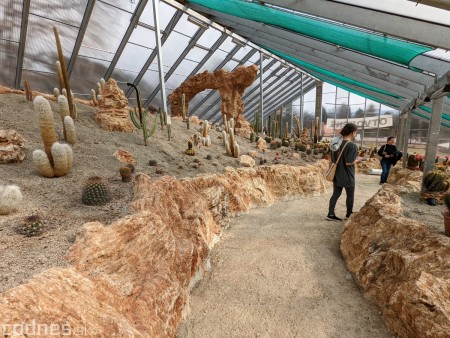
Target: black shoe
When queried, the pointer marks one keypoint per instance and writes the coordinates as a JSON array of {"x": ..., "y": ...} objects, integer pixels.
[
  {"x": 333, "y": 218},
  {"x": 348, "y": 215}
]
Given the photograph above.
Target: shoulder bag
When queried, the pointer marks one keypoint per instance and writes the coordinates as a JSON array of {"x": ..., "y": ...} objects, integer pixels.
[{"x": 329, "y": 175}]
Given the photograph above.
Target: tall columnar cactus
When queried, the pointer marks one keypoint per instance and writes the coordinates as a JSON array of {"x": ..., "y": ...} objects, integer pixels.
[
  {"x": 60, "y": 75},
  {"x": 56, "y": 92},
  {"x": 94, "y": 97},
  {"x": 231, "y": 146},
  {"x": 205, "y": 128},
  {"x": 64, "y": 72},
  {"x": 183, "y": 107},
  {"x": 58, "y": 158},
  {"x": 28, "y": 92},
  {"x": 10, "y": 199},
  {"x": 256, "y": 122},
  {"x": 102, "y": 83},
  {"x": 67, "y": 121}
]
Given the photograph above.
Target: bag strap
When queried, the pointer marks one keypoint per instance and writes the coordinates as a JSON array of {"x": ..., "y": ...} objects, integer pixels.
[{"x": 340, "y": 154}]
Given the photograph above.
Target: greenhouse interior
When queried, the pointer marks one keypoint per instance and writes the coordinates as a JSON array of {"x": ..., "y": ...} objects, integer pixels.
[{"x": 212, "y": 108}]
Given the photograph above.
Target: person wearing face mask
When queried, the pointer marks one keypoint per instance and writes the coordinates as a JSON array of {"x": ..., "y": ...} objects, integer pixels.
[{"x": 344, "y": 177}]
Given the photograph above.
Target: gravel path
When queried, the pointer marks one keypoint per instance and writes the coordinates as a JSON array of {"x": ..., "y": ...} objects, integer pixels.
[{"x": 278, "y": 272}]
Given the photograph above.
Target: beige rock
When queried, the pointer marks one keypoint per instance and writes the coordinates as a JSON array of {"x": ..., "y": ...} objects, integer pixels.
[
  {"x": 370, "y": 163},
  {"x": 231, "y": 86},
  {"x": 409, "y": 180},
  {"x": 246, "y": 161},
  {"x": 253, "y": 153},
  {"x": 400, "y": 266},
  {"x": 132, "y": 278},
  {"x": 113, "y": 110},
  {"x": 261, "y": 144},
  {"x": 124, "y": 156},
  {"x": 295, "y": 156},
  {"x": 11, "y": 146}
]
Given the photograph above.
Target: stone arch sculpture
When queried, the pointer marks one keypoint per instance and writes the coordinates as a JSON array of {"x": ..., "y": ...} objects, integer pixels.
[{"x": 231, "y": 86}]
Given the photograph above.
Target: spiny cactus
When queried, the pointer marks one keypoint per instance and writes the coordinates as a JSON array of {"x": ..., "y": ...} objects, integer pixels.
[
  {"x": 125, "y": 172},
  {"x": 94, "y": 97},
  {"x": 10, "y": 199},
  {"x": 205, "y": 128},
  {"x": 56, "y": 92},
  {"x": 58, "y": 158},
  {"x": 190, "y": 151},
  {"x": 28, "y": 92},
  {"x": 139, "y": 118},
  {"x": 60, "y": 75},
  {"x": 95, "y": 192},
  {"x": 436, "y": 181},
  {"x": 67, "y": 121},
  {"x": 31, "y": 226}
]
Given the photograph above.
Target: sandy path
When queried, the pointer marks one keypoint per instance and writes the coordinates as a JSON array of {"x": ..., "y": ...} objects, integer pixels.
[{"x": 278, "y": 273}]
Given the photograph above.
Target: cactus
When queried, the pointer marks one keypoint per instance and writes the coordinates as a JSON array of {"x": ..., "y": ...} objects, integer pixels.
[
  {"x": 63, "y": 111},
  {"x": 102, "y": 83},
  {"x": 28, "y": 93},
  {"x": 205, "y": 128},
  {"x": 285, "y": 142},
  {"x": 71, "y": 136},
  {"x": 125, "y": 172},
  {"x": 56, "y": 92},
  {"x": 10, "y": 199},
  {"x": 190, "y": 151},
  {"x": 31, "y": 226},
  {"x": 94, "y": 98},
  {"x": 131, "y": 166},
  {"x": 436, "y": 181},
  {"x": 255, "y": 122},
  {"x": 95, "y": 192},
  {"x": 60, "y": 75},
  {"x": 236, "y": 151},
  {"x": 57, "y": 159},
  {"x": 99, "y": 88},
  {"x": 252, "y": 137},
  {"x": 183, "y": 107},
  {"x": 64, "y": 73}
]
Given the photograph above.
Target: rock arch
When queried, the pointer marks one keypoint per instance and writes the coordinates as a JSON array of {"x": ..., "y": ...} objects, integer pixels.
[{"x": 231, "y": 86}]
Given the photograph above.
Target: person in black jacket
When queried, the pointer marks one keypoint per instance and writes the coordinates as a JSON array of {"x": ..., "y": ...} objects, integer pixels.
[
  {"x": 388, "y": 155},
  {"x": 345, "y": 172}
]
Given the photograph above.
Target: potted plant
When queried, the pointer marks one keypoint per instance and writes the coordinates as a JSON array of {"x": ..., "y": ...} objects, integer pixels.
[
  {"x": 446, "y": 214},
  {"x": 414, "y": 161}
]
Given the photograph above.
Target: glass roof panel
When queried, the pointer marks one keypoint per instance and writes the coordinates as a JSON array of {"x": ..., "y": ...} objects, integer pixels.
[
  {"x": 60, "y": 11},
  {"x": 166, "y": 13},
  {"x": 188, "y": 27},
  {"x": 8, "y": 60},
  {"x": 40, "y": 49},
  {"x": 241, "y": 53},
  {"x": 196, "y": 54},
  {"x": 209, "y": 38},
  {"x": 88, "y": 72},
  {"x": 127, "y": 5},
  {"x": 186, "y": 67},
  {"x": 133, "y": 58},
  {"x": 10, "y": 17}
]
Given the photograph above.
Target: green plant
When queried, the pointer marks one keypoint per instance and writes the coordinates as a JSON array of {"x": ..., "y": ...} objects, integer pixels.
[
  {"x": 285, "y": 143},
  {"x": 436, "y": 181},
  {"x": 302, "y": 148},
  {"x": 268, "y": 139},
  {"x": 95, "y": 192},
  {"x": 31, "y": 226},
  {"x": 125, "y": 172},
  {"x": 131, "y": 166},
  {"x": 252, "y": 137},
  {"x": 139, "y": 118}
]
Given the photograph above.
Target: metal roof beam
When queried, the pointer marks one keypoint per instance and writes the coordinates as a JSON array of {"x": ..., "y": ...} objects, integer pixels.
[
  {"x": 79, "y": 40},
  {"x": 23, "y": 39},
  {"x": 172, "y": 69},
  {"x": 407, "y": 28},
  {"x": 254, "y": 30},
  {"x": 134, "y": 20},
  {"x": 170, "y": 26}
]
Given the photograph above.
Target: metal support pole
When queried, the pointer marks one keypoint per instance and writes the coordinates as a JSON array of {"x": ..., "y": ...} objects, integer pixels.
[
  {"x": 292, "y": 120},
  {"x": 335, "y": 108},
  {"x": 160, "y": 59},
  {"x": 378, "y": 129},
  {"x": 261, "y": 89},
  {"x": 23, "y": 39},
  {"x": 433, "y": 135},
  {"x": 348, "y": 105},
  {"x": 364, "y": 123},
  {"x": 405, "y": 141},
  {"x": 302, "y": 98}
]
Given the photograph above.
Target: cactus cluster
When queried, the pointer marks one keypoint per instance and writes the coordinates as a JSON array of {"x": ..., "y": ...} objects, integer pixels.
[
  {"x": 58, "y": 158},
  {"x": 436, "y": 181},
  {"x": 96, "y": 96},
  {"x": 231, "y": 146},
  {"x": 31, "y": 226},
  {"x": 10, "y": 199},
  {"x": 190, "y": 150},
  {"x": 95, "y": 192}
]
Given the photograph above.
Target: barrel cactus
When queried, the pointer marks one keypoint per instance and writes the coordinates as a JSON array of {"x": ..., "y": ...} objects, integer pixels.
[
  {"x": 31, "y": 226},
  {"x": 10, "y": 199},
  {"x": 436, "y": 181},
  {"x": 95, "y": 192}
]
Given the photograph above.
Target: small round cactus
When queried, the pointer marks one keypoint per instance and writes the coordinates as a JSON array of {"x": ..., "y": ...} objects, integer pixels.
[
  {"x": 125, "y": 172},
  {"x": 95, "y": 192},
  {"x": 31, "y": 226}
]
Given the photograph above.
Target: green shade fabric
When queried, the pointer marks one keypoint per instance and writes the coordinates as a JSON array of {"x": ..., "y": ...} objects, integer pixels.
[
  {"x": 310, "y": 68},
  {"x": 387, "y": 48}
]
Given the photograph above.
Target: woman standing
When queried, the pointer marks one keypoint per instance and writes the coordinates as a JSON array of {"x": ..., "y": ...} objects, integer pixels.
[
  {"x": 345, "y": 172},
  {"x": 387, "y": 153}
]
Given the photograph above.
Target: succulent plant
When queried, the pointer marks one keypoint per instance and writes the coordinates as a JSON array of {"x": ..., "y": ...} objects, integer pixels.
[
  {"x": 268, "y": 139},
  {"x": 436, "y": 181},
  {"x": 285, "y": 142},
  {"x": 152, "y": 163},
  {"x": 95, "y": 192},
  {"x": 125, "y": 172},
  {"x": 131, "y": 166},
  {"x": 190, "y": 151},
  {"x": 252, "y": 137},
  {"x": 302, "y": 147},
  {"x": 10, "y": 199},
  {"x": 31, "y": 226}
]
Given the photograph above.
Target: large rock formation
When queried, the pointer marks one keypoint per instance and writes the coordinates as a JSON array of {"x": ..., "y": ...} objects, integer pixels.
[
  {"x": 132, "y": 278},
  {"x": 113, "y": 110},
  {"x": 400, "y": 265},
  {"x": 11, "y": 146},
  {"x": 364, "y": 166},
  {"x": 231, "y": 86}
]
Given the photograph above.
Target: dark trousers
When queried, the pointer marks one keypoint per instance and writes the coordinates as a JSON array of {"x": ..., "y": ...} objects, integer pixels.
[
  {"x": 337, "y": 191},
  {"x": 385, "y": 168}
]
